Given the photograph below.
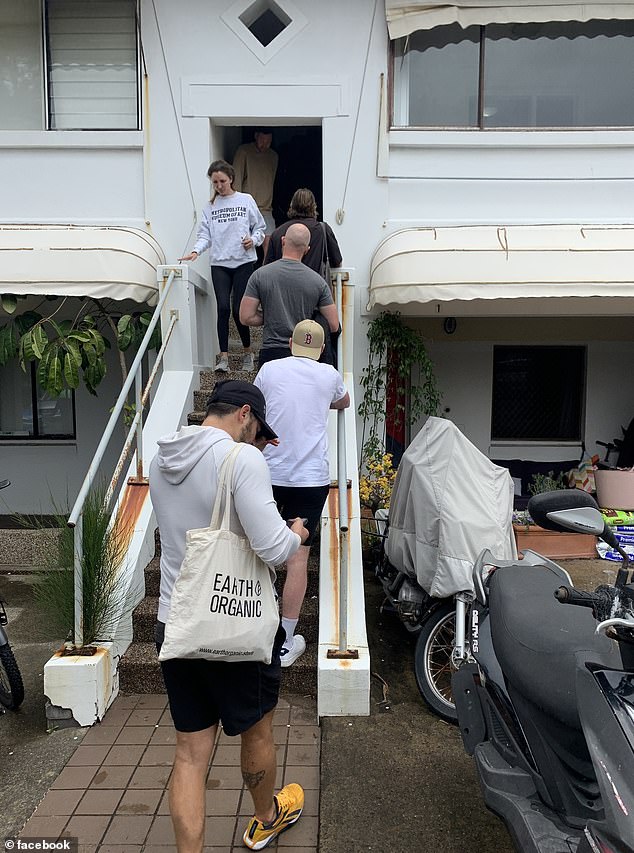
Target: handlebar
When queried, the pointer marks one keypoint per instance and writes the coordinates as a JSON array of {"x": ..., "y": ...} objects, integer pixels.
[{"x": 570, "y": 595}]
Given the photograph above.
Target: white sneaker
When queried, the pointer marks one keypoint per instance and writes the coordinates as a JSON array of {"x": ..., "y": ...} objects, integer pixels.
[
  {"x": 289, "y": 654},
  {"x": 222, "y": 366},
  {"x": 247, "y": 361}
]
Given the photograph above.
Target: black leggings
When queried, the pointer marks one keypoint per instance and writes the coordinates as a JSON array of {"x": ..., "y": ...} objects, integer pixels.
[{"x": 229, "y": 284}]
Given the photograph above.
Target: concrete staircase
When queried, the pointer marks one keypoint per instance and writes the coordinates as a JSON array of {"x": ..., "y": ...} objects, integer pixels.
[{"x": 139, "y": 670}]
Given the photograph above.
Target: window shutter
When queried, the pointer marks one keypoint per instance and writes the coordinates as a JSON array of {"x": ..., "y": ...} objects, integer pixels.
[{"x": 92, "y": 64}]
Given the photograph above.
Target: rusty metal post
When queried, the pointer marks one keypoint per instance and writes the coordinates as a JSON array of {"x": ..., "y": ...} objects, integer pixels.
[
  {"x": 138, "y": 408},
  {"x": 78, "y": 548},
  {"x": 344, "y": 521}
]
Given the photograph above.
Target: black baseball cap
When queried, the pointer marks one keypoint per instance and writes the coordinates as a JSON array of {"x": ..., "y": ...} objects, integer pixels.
[{"x": 240, "y": 393}]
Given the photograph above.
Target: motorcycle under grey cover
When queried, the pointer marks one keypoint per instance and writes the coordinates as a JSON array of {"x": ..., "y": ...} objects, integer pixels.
[{"x": 448, "y": 503}]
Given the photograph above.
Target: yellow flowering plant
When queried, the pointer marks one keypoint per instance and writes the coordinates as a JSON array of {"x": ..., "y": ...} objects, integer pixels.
[{"x": 375, "y": 486}]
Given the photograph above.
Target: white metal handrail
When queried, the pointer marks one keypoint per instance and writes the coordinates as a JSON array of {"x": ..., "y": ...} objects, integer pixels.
[
  {"x": 76, "y": 516},
  {"x": 342, "y": 485}
]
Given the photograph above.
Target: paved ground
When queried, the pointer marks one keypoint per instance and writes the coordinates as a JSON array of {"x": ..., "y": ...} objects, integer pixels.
[
  {"x": 112, "y": 793},
  {"x": 395, "y": 781},
  {"x": 30, "y": 758}
]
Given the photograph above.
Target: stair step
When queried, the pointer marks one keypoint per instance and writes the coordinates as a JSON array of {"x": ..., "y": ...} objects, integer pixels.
[
  {"x": 152, "y": 575},
  {"x": 144, "y": 619},
  {"x": 140, "y": 672}
]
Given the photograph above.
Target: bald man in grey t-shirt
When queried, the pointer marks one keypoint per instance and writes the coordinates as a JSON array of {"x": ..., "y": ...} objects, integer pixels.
[{"x": 279, "y": 295}]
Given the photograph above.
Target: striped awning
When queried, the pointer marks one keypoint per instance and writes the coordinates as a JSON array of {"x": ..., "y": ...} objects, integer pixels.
[
  {"x": 79, "y": 260},
  {"x": 506, "y": 270},
  {"x": 406, "y": 18}
]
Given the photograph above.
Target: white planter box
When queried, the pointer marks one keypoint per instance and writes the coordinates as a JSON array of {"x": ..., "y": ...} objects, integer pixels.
[{"x": 81, "y": 688}]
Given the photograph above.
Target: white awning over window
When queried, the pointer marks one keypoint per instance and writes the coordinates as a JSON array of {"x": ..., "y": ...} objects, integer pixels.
[
  {"x": 406, "y": 18},
  {"x": 106, "y": 262},
  {"x": 506, "y": 270}
]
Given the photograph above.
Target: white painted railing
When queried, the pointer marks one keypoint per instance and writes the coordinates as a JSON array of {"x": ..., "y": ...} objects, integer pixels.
[
  {"x": 343, "y": 676},
  {"x": 135, "y": 375}
]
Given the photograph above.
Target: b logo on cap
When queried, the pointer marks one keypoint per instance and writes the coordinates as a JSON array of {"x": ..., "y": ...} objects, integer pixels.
[{"x": 308, "y": 339}]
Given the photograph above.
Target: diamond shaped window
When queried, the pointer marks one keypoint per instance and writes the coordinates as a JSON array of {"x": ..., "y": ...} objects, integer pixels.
[
  {"x": 265, "y": 20},
  {"x": 263, "y": 26}
]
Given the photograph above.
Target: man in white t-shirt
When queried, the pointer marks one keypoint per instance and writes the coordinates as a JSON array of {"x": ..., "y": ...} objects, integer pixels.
[{"x": 299, "y": 393}]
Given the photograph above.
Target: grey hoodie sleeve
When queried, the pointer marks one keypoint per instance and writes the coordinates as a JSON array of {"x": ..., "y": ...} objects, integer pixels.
[{"x": 255, "y": 506}]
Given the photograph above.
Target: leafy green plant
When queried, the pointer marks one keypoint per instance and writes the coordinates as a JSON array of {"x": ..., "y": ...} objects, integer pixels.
[
  {"x": 67, "y": 351},
  {"x": 104, "y": 597},
  {"x": 547, "y": 482},
  {"x": 394, "y": 349}
]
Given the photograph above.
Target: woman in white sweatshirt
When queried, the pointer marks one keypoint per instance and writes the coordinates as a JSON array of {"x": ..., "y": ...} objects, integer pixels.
[{"x": 231, "y": 227}]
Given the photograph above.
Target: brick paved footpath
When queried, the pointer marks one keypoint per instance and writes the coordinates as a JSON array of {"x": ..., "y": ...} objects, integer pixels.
[{"x": 112, "y": 794}]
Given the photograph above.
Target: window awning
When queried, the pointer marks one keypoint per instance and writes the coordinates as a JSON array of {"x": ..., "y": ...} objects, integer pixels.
[
  {"x": 406, "y": 18},
  {"x": 105, "y": 262},
  {"x": 506, "y": 270}
]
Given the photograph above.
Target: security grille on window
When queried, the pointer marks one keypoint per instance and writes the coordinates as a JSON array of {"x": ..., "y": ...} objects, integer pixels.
[
  {"x": 530, "y": 75},
  {"x": 92, "y": 64},
  {"x": 538, "y": 393}
]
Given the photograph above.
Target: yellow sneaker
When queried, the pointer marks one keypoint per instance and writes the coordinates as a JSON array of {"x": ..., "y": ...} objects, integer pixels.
[{"x": 290, "y": 802}]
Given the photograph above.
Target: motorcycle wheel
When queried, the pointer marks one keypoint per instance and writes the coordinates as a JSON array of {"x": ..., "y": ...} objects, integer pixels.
[
  {"x": 432, "y": 661},
  {"x": 11, "y": 686}
]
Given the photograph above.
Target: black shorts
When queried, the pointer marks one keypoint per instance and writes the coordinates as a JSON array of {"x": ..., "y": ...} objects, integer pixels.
[
  {"x": 302, "y": 502},
  {"x": 272, "y": 354},
  {"x": 203, "y": 692}
]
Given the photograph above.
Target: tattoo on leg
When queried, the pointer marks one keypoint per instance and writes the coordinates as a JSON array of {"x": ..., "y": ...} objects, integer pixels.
[{"x": 252, "y": 780}]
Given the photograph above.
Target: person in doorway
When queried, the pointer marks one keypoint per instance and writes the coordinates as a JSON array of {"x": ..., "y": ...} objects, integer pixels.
[
  {"x": 231, "y": 227},
  {"x": 255, "y": 164},
  {"x": 299, "y": 394},
  {"x": 183, "y": 484},
  {"x": 281, "y": 294}
]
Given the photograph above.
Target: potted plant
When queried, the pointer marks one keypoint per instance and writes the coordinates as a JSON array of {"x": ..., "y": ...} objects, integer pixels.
[
  {"x": 105, "y": 597},
  {"x": 375, "y": 492},
  {"x": 550, "y": 543}
]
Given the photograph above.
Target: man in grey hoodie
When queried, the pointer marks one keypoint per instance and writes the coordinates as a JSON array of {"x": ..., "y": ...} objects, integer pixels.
[{"x": 183, "y": 484}]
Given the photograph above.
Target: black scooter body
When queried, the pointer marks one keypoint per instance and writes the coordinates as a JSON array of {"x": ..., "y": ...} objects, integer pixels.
[{"x": 547, "y": 711}]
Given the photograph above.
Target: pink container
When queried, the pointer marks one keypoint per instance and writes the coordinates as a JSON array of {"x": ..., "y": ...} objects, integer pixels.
[{"x": 615, "y": 489}]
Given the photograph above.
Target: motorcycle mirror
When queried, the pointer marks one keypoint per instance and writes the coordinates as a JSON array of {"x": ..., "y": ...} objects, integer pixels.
[{"x": 567, "y": 510}]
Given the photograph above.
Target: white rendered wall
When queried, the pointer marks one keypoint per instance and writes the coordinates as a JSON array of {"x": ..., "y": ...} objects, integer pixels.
[{"x": 199, "y": 90}]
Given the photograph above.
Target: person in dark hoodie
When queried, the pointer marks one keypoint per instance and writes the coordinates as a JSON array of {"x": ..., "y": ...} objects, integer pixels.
[{"x": 183, "y": 484}]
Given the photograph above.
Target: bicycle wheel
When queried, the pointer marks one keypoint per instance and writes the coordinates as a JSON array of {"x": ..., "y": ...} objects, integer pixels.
[
  {"x": 11, "y": 686},
  {"x": 432, "y": 661}
]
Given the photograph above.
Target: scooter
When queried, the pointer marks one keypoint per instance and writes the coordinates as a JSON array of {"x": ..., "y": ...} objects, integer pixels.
[
  {"x": 547, "y": 705},
  {"x": 11, "y": 685}
]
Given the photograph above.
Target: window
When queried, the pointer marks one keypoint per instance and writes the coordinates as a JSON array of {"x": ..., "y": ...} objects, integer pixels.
[
  {"x": 21, "y": 84},
  {"x": 28, "y": 412},
  {"x": 549, "y": 75},
  {"x": 85, "y": 78},
  {"x": 538, "y": 393},
  {"x": 265, "y": 20}
]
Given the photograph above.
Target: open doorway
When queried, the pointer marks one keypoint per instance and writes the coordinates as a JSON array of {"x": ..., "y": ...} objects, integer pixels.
[{"x": 299, "y": 148}]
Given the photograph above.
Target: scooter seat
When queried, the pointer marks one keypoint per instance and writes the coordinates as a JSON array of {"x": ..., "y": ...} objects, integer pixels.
[{"x": 539, "y": 642}]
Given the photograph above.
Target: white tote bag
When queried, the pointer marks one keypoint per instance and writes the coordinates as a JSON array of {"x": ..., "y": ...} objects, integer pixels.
[{"x": 223, "y": 604}]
